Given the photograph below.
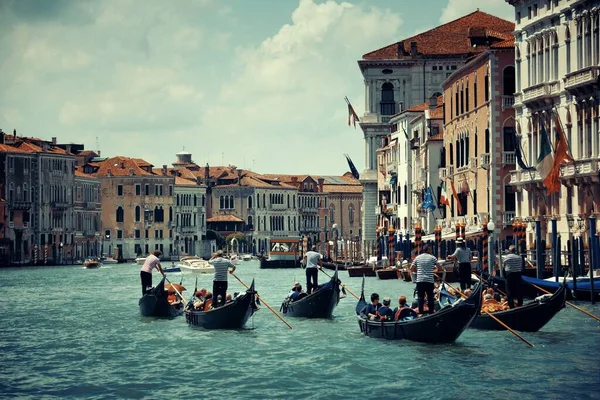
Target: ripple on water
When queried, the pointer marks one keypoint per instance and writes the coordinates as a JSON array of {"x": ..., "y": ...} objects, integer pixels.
[{"x": 79, "y": 334}]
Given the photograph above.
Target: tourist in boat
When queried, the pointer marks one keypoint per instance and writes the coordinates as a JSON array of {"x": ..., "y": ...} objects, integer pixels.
[
  {"x": 222, "y": 266},
  {"x": 462, "y": 255},
  {"x": 297, "y": 293},
  {"x": 403, "y": 312},
  {"x": 228, "y": 298},
  {"x": 370, "y": 310},
  {"x": 425, "y": 265},
  {"x": 151, "y": 262},
  {"x": 513, "y": 267},
  {"x": 313, "y": 261},
  {"x": 293, "y": 289},
  {"x": 385, "y": 313}
]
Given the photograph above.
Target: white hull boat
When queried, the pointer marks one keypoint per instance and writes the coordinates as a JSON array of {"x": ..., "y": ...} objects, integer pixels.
[{"x": 195, "y": 265}]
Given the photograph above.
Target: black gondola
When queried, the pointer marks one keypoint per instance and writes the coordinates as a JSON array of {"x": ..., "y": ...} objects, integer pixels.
[
  {"x": 319, "y": 304},
  {"x": 443, "y": 326},
  {"x": 531, "y": 317},
  {"x": 232, "y": 315},
  {"x": 155, "y": 304}
]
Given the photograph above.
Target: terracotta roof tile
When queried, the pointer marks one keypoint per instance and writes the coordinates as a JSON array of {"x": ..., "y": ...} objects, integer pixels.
[
  {"x": 342, "y": 188},
  {"x": 120, "y": 166},
  {"x": 141, "y": 162},
  {"x": 453, "y": 37},
  {"x": 4, "y": 148},
  {"x": 184, "y": 182},
  {"x": 437, "y": 113},
  {"x": 506, "y": 44},
  {"x": 436, "y": 138},
  {"x": 225, "y": 218}
]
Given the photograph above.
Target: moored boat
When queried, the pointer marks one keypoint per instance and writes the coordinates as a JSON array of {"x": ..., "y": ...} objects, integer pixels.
[
  {"x": 108, "y": 260},
  {"x": 319, "y": 304},
  {"x": 140, "y": 260},
  {"x": 232, "y": 315},
  {"x": 284, "y": 253},
  {"x": 358, "y": 271},
  {"x": 195, "y": 265},
  {"x": 530, "y": 317},
  {"x": 387, "y": 273},
  {"x": 443, "y": 326},
  {"x": 154, "y": 303},
  {"x": 583, "y": 286}
]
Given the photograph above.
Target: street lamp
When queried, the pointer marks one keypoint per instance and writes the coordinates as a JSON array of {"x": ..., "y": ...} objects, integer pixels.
[{"x": 491, "y": 226}]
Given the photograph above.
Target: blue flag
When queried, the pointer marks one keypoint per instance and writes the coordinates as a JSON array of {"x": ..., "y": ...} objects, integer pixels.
[{"x": 428, "y": 200}]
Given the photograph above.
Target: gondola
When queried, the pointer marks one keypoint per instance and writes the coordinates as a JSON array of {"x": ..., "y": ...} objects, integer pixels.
[
  {"x": 154, "y": 303},
  {"x": 583, "y": 286},
  {"x": 443, "y": 326},
  {"x": 360, "y": 270},
  {"x": 388, "y": 273},
  {"x": 319, "y": 304},
  {"x": 531, "y": 317},
  {"x": 232, "y": 315},
  {"x": 334, "y": 265}
]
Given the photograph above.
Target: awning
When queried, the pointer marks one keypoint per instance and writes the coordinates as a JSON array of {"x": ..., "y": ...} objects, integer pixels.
[{"x": 449, "y": 236}]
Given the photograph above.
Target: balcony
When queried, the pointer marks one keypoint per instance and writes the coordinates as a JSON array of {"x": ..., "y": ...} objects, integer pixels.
[
  {"x": 450, "y": 171},
  {"x": 279, "y": 207},
  {"x": 89, "y": 233},
  {"x": 582, "y": 81},
  {"x": 20, "y": 205},
  {"x": 58, "y": 205},
  {"x": 540, "y": 93},
  {"x": 484, "y": 160},
  {"x": 508, "y": 102},
  {"x": 508, "y": 217},
  {"x": 509, "y": 158},
  {"x": 89, "y": 205},
  {"x": 582, "y": 171},
  {"x": 530, "y": 179},
  {"x": 473, "y": 163},
  {"x": 443, "y": 173}
]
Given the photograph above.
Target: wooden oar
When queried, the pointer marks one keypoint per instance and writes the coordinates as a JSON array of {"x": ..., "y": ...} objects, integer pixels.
[
  {"x": 341, "y": 284},
  {"x": 263, "y": 301},
  {"x": 545, "y": 291},
  {"x": 492, "y": 316}
]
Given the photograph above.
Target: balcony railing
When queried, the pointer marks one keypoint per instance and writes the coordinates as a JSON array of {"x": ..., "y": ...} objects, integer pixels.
[
  {"x": 580, "y": 168},
  {"x": 515, "y": 177},
  {"x": 509, "y": 158},
  {"x": 20, "y": 204},
  {"x": 541, "y": 91},
  {"x": 450, "y": 171},
  {"x": 484, "y": 160},
  {"x": 508, "y": 218},
  {"x": 581, "y": 78},
  {"x": 508, "y": 102},
  {"x": 59, "y": 205},
  {"x": 443, "y": 173},
  {"x": 89, "y": 233}
]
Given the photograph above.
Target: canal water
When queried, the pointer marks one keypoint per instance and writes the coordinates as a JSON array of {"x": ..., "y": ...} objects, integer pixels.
[{"x": 68, "y": 332}]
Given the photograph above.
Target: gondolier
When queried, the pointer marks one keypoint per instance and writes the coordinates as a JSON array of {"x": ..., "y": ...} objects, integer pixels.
[
  {"x": 425, "y": 265},
  {"x": 462, "y": 255},
  {"x": 313, "y": 262},
  {"x": 151, "y": 262},
  {"x": 222, "y": 266},
  {"x": 513, "y": 266}
]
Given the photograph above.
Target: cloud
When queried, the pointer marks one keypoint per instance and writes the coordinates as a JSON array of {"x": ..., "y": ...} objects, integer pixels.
[{"x": 457, "y": 8}]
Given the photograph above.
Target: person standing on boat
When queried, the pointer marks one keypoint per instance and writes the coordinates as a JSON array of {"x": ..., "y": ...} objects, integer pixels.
[
  {"x": 425, "y": 264},
  {"x": 513, "y": 266},
  {"x": 313, "y": 262},
  {"x": 462, "y": 255},
  {"x": 151, "y": 262},
  {"x": 222, "y": 266}
]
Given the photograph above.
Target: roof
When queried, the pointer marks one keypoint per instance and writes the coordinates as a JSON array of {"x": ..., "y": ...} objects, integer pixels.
[
  {"x": 4, "y": 148},
  {"x": 425, "y": 106},
  {"x": 437, "y": 113},
  {"x": 121, "y": 166},
  {"x": 505, "y": 44},
  {"x": 453, "y": 37},
  {"x": 184, "y": 182},
  {"x": 225, "y": 218},
  {"x": 438, "y": 137},
  {"x": 342, "y": 188}
]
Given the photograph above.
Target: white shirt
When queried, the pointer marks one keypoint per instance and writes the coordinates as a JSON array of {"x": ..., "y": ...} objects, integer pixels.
[
  {"x": 151, "y": 262},
  {"x": 312, "y": 259}
]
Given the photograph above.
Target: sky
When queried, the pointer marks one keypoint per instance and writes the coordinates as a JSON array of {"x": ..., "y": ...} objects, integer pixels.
[{"x": 258, "y": 84}]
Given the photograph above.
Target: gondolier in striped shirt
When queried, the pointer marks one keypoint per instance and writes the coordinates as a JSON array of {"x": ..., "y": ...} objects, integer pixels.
[
  {"x": 222, "y": 266},
  {"x": 462, "y": 255},
  {"x": 425, "y": 265},
  {"x": 513, "y": 267}
]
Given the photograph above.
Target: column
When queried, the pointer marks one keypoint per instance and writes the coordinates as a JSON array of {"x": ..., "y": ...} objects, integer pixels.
[{"x": 367, "y": 94}]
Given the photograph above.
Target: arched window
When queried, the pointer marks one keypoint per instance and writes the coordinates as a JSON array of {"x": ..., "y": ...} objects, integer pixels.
[
  {"x": 388, "y": 105},
  {"x": 288, "y": 201},
  {"x": 250, "y": 227},
  {"x": 170, "y": 213},
  {"x": 25, "y": 192},
  {"x": 258, "y": 201},
  {"x": 195, "y": 201},
  {"x": 264, "y": 200},
  {"x": 249, "y": 202},
  {"x": 508, "y": 81},
  {"x": 221, "y": 202},
  {"x": 351, "y": 213},
  {"x": 137, "y": 213},
  {"x": 231, "y": 202},
  {"x": 177, "y": 200},
  {"x": 332, "y": 214},
  {"x": 119, "y": 214}
]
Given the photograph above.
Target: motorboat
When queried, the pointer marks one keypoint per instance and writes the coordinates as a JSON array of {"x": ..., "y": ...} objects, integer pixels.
[
  {"x": 92, "y": 263},
  {"x": 108, "y": 260},
  {"x": 140, "y": 260},
  {"x": 247, "y": 257},
  {"x": 195, "y": 265}
]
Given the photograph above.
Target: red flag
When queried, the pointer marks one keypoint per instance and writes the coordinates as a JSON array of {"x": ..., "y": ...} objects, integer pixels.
[
  {"x": 352, "y": 117},
  {"x": 458, "y": 205},
  {"x": 561, "y": 156}
]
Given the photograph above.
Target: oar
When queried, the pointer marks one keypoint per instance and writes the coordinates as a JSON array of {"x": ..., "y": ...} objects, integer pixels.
[
  {"x": 263, "y": 301},
  {"x": 341, "y": 284},
  {"x": 545, "y": 291},
  {"x": 174, "y": 288},
  {"x": 492, "y": 316}
]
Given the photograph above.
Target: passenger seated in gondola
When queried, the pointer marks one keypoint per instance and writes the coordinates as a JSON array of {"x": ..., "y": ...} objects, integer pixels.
[
  {"x": 298, "y": 294},
  {"x": 403, "y": 312},
  {"x": 490, "y": 304},
  {"x": 228, "y": 298},
  {"x": 385, "y": 313},
  {"x": 173, "y": 299},
  {"x": 370, "y": 310},
  {"x": 205, "y": 303}
]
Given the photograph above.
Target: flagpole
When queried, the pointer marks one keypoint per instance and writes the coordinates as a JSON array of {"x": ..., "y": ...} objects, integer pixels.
[
  {"x": 436, "y": 201},
  {"x": 562, "y": 129}
]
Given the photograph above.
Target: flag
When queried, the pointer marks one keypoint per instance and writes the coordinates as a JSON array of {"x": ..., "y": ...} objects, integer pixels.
[
  {"x": 458, "y": 204},
  {"x": 545, "y": 160},
  {"x": 353, "y": 169},
  {"x": 519, "y": 152},
  {"x": 428, "y": 200},
  {"x": 352, "y": 117},
  {"x": 561, "y": 156},
  {"x": 406, "y": 134},
  {"x": 444, "y": 196}
]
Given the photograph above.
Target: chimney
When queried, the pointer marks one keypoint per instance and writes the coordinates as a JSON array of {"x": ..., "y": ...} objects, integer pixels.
[
  {"x": 400, "y": 49},
  {"x": 294, "y": 179},
  {"x": 206, "y": 174},
  {"x": 14, "y": 133},
  {"x": 239, "y": 174},
  {"x": 2, "y": 141},
  {"x": 321, "y": 180},
  {"x": 413, "y": 49},
  {"x": 109, "y": 172},
  {"x": 99, "y": 153},
  {"x": 199, "y": 180},
  {"x": 53, "y": 139},
  {"x": 122, "y": 165},
  {"x": 68, "y": 149},
  {"x": 164, "y": 170},
  {"x": 131, "y": 171}
]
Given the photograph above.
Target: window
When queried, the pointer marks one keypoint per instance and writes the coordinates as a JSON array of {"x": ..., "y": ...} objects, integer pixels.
[
  {"x": 387, "y": 105},
  {"x": 250, "y": 226},
  {"x": 147, "y": 233},
  {"x": 137, "y": 233},
  {"x": 156, "y": 234},
  {"x": 518, "y": 17},
  {"x": 137, "y": 213},
  {"x": 147, "y": 189},
  {"x": 138, "y": 189},
  {"x": 509, "y": 143},
  {"x": 351, "y": 214},
  {"x": 486, "y": 87},
  {"x": 119, "y": 215},
  {"x": 156, "y": 190},
  {"x": 508, "y": 81},
  {"x": 170, "y": 190},
  {"x": 332, "y": 214},
  {"x": 487, "y": 141},
  {"x": 119, "y": 234},
  {"x": 119, "y": 190}
]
